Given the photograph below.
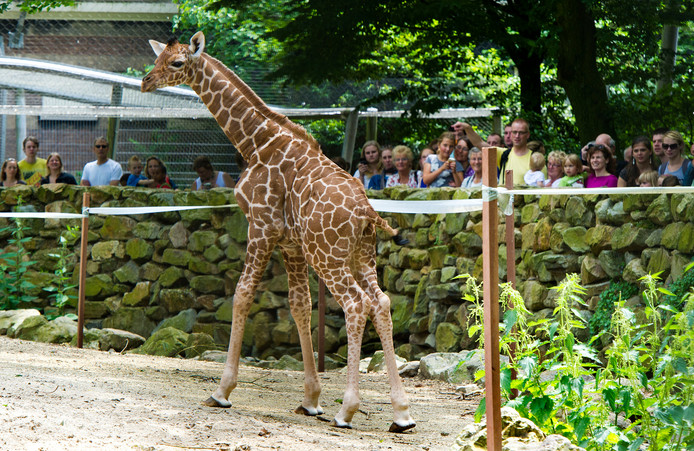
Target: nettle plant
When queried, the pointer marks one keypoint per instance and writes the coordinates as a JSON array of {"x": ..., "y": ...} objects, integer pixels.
[
  {"x": 640, "y": 395},
  {"x": 14, "y": 264},
  {"x": 64, "y": 290}
]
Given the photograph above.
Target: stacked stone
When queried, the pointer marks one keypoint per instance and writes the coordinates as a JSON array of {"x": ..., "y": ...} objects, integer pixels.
[{"x": 151, "y": 272}]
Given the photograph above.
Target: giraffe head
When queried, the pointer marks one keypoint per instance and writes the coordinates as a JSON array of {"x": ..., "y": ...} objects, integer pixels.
[{"x": 175, "y": 64}]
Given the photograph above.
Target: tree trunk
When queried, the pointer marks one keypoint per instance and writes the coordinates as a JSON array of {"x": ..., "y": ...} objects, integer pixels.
[
  {"x": 578, "y": 70},
  {"x": 531, "y": 84},
  {"x": 668, "y": 48}
]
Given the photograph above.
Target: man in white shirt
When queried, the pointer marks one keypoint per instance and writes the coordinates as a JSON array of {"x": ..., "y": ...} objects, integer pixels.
[{"x": 103, "y": 171}]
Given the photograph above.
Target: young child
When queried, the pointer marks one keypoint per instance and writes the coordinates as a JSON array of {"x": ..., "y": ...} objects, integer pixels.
[
  {"x": 573, "y": 172},
  {"x": 440, "y": 170},
  {"x": 534, "y": 176},
  {"x": 648, "y": 179},
  {"x": 136, "y": 178},
  {"x": 668, "y": 180}
]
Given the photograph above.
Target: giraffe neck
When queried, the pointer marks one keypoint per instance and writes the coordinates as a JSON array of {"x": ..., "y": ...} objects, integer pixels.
[{"x": 246, "y": 120}]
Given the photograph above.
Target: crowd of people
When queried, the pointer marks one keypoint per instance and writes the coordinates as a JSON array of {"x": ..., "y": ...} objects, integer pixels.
[
  {"x": 454, "y": 159},
  {"x": 33, "y": 170}
]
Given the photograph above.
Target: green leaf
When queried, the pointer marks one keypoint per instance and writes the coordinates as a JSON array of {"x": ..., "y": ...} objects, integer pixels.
[
  {"x": 610, "y": 396},
  {"x": 636, "y": 444},
  {"x": 542, "y": 408},
  {"x": 569, "y": 344},
  {"x": 481, "y": 410},
  {"x": 472, "y": 330},
  {"x": 688, "y": 415},
  {"x": 664, "y": 416},
  {"x": 528, "y": 365},
  {"x": 553, "y": 329},
  {"x": 505, "y": 379},
  {"x": 510, "y": 319},
  {"x": 580, "y": 426}
]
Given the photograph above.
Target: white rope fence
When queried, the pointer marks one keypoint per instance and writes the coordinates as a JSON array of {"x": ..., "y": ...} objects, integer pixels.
[{"x": 385, "y": 205}]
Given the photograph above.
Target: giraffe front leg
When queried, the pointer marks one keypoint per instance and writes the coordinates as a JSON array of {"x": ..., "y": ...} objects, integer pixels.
[{"x": 257, "y": 256}]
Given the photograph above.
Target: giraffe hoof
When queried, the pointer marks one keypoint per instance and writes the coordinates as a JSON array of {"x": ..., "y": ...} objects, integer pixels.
[
  {"x": 213, "y": 402},
  {"x": 396, "y": 428},
  {"x": 400, "y": 240},
  {"x": 340, "y": 424},
  {"x": 301, "y": 410}
]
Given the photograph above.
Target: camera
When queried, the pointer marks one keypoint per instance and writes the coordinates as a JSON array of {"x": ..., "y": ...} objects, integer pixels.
[{"x": 363, "y": 161}]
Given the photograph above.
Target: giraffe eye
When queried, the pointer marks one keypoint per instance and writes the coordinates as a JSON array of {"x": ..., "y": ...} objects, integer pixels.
[{"x": 177, "y": 64}]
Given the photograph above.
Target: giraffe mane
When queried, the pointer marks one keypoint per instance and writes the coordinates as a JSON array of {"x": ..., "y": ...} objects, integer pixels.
[{"x": 263, "y": 109}]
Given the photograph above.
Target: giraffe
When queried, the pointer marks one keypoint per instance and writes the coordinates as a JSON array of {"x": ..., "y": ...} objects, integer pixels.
[{"x": 296, "y": 198}]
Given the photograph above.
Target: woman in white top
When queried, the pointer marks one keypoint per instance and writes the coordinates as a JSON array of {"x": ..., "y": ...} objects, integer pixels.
[
  {"x": 209, "y": 178},
  {"x": 475, "y": 158},
  {"x": 555, "y": 168},
  {"x": 402, "y": 157}
]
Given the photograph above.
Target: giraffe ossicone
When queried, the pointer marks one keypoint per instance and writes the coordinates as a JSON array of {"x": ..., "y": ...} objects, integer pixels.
[{"x": 296, "y": 198}]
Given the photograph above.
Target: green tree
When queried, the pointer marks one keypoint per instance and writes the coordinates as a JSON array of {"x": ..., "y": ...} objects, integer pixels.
[
  {"x": 588, "y": 51},
  {"x": 34, "y": 6}
]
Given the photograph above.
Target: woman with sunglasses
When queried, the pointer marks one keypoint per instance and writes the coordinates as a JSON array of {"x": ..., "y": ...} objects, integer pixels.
[
  {"x": 11, "y": 175},
  {"x": 677, "y": 164}
]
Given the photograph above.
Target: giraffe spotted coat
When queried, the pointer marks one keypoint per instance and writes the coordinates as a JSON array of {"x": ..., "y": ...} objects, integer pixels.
[{"x": 295, "y": 198}]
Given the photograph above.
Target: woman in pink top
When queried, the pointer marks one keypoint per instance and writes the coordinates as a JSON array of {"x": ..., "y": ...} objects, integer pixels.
[{"x": 600, "y": 165}]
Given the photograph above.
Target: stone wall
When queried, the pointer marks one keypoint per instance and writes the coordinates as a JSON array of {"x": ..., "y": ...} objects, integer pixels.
[{"x": 182, "y": 267}]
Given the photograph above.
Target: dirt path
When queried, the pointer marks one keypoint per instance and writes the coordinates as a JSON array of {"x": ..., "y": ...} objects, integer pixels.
[{"x": 57, "y": 397}]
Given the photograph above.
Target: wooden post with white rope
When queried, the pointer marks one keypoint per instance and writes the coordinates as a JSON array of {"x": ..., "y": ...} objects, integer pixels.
[
  {"x": 83, "y": 270},
  {"x": 490, "y": 272}
]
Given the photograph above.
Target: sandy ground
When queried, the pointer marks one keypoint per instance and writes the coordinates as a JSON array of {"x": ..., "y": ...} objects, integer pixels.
[{"x": 57, "y": 397}]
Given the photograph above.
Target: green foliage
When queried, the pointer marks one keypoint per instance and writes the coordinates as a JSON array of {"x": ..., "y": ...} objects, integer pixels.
[
  {"x": 617, "y": 291},
  {"x": 63, "y": 291},
  {"x": 34, "y": 6},
  {"x": 681, "y": 288},
  {"x": 14, "y": 264},
  {"x": 438, "y": 54},
  {"x": 642, "y": 398}
]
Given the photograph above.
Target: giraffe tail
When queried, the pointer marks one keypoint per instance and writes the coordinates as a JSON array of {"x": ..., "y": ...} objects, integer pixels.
[{"x": 381, "y": 223}]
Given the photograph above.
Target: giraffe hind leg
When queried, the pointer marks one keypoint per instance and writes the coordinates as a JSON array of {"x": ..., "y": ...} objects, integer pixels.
[
  {"x": 300, "y": 306},
  {"x": 354, "y": 303},
  {"x": 383, "y": 324}
]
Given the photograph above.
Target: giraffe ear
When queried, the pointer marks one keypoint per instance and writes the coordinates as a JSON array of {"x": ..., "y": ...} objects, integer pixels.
[
  {"x": 157, "y": 46},
  {"x": 197, "y": 44}
]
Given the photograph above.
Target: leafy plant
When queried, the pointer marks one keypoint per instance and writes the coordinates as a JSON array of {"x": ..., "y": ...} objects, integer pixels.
[
  {"x": 14, "y": 264},
  {"x": 681, "y": 288},
  {"x": 642, "y": 398},
  {"x": 649, "y": 374},
  {"x": 617, "y": 291},
  {"x": 63, "y": 291}
]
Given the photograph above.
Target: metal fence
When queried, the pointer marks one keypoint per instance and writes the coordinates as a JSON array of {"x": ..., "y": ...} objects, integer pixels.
[{"x": 61, "y": 81}]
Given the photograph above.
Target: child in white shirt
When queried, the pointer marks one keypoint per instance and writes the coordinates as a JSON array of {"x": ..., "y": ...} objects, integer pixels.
[{"x": 534, "y": 176}]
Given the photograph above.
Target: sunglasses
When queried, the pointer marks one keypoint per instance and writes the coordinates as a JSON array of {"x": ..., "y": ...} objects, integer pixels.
[
  {"x": 670, "y": 146},
  {"x": 101, "y": 146}
]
